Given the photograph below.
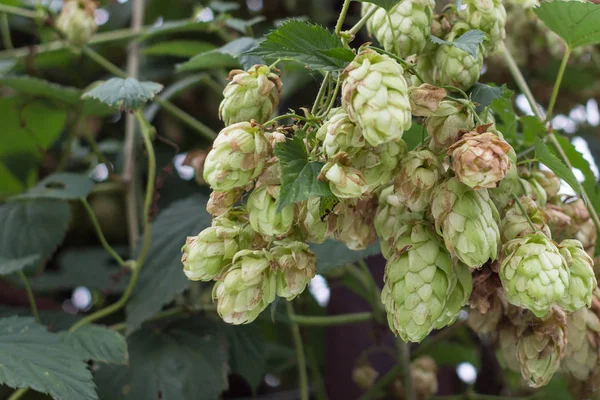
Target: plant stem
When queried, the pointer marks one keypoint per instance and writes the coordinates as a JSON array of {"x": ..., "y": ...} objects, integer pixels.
[
  {"x": 333, "y": 98},
  {"x": 332, "y": 320},
  {"x": 284, "y": 116},
  {"x": 342, "y": 17},
  {"x": 558, "y": 82},
  {"x": 354, "y": 30},
  {"x": 4, "y": 25},
  {"x": 317, "y": 377},
  {"x": 382, "y": 384},
  {"x": 100, "y": 234},
  {"x": 321, "y": 93},
  {"x": 103, "y": 62},
  {"x": 302, "y": 375},
  {"x": 21, "y": 12},
  {"x": 18, "y": 394},
  {"x": 404, "y": 353},
  {"x": 30, "y": 296}
]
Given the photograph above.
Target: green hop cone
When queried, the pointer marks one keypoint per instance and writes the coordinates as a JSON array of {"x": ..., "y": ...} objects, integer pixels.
[
  {"x": 247, "y": 288},
  {"x": 263, "y": 214},
  {"x": 354, "y": 223},
  {"x": 345, "y": 181},
  {"x": 480, "y": 160},
  {"x": 420, "y": 171},
  {"x": 77, "y": 22},
  {"x": 251, "y": 95},
  {"x": 418, "y": 280},
  {"x": 548, "y": 181},
  {"x": 541, "y": 347},
  {"x": 453, "y": 66},
  {"x": 206, "y": 255},
  {"x": 582, "y": 356},
  {"x": 444, "y": 125},
  {"x": 379, "y": 164},
  {"x": 582, "y": 225},
  {"x": 458, "y": 297},
  {"x": 468, "y": 221},
  {"x": 502, "y": 195},
  {"x": 312, "y": 225},
  {"x": 514, "y": 224},
  {"x": 582, "y": 280},
  {"x": 530, "y": 187},
  {"x": 534, "y": 274},
  {"x": 406, "y": 27},
  {"x": 340, "y": 134},
  {"x": 296, "y": 266},
  {"x": 238, "y": 155},
  {"x": 488, "y": 16},
  {"x": 375, "y": 95}
]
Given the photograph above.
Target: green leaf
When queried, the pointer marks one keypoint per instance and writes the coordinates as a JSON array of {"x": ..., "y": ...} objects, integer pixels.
[
  {"x": 242, "y": 25},
  {"x": 575, "y": 22},
  {"x": 33, "y": 357},
  {"x": 340, "y": 53},
  {"x": 302, "y": 42},
  {"x": 483, "y": 94},
  {"x": 162, "y": 277},
  {"x": 125, "y": 94},
  {"x": 60, "y": 186},
  {"x": 247, "y": 353},
  {"x": 506, "y": 117},
  {"x": 299, "y": 177},
  {"x": 545, "y": 156},
  {"x": 468, "y": 41},
  {"x": 174, "y": 27},
  {"x": 224, "y": 6},
  {"x": 186, "y": 360},
  {"x": 42, "y": 88},
  {"x": 333, "y": 254},
  {"x": 97, "y": 343},
  {"x": 386, "y": 4},
  {"x": 412, "y": 137},
  {"x": 12, "y": 265},
  {"x": 178, "y": 48},
  {"x": 577, "y": 160},
  {"x": 224, "y": 57},
  {"x": 532, "y": 127},
  {"x": 32, "y": 227}
]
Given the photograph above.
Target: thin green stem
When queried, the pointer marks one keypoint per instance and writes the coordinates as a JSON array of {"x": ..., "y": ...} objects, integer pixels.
[
  {"x": 528, "y": 161},
  {"x": 558, "y": 82},
  {"x": 317, "y": 377},
  {"x": 30, "y": 296},
  {"x": 332, "y": 320},
  {"x": 342, "y": 17},
  {"x": 275, "y": 63},
  {"x": 5, "y": 27},
  {"x": 382, "y": 384},
  {"x": 394, "y": 36},
  {"x": 285, "y": 116},
  {"x": 100, "y": 234},
  {"x": 302, "y": 375},
  {"x": 321, "y": 93},
  {"x": 103, "y": 62},
  {"x": 354, "y": 30},
  {"x": 18, "y": 394},
  {"x": 455, "y": 89},
  {"x": 404, "y": 353},
  {"x": 21, "y": 12},
  {"x": 333, "y": 98},
  {"x": 71, "y": 137}
]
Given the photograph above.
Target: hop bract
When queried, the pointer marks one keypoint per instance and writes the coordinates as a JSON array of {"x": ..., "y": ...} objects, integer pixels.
[
  {"x": 468, "y": 221},
  {"x": 77, "y": 22},
  {"x": 406, "y": 29},
  {"x": 238, "y": 156},
  {"x": 458, "y": 297},
  {"x": 375, "y": 95},
  {"x": 444, "y": 125},
  {"x": 340, "y": 134},
  {"x": 582, "y": 280},
  {"x": 534, "y": 274},
  {"x": 345, "y": 182},
  {"x": 251, "y": 95},
  {"x": 246, "y": 289},
  {"x": 296, "y": 266},
  {"x": 420, "y": 171},
  {"x": 379, "y": 164},
  {"x": 489, "y": 16},
  {"x": 264, "y": 216}
]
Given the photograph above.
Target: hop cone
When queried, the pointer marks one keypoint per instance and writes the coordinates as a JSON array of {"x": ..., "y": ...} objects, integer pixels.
[
  {"x": 514, "y": 224},
  {"x": 443, "y": 126},
  {"x": 379, "y": 164},
  {"x": 541, "y": 347},
  {"x": 453, "y": 66},
  {"x": 502, "y": 195},
  {"x": 406, "y": 29},
  {"x": 423, "y": 377},
  {"x": 76, "y": 21},
  {"x": 459, "y": 296},
  {"x": 340, "y": 134},
  {"x": 246, "y": 289},
  {"x": 364, "y": 376},
  {"x": 238, "y": 156},
  {"x": 205, "y": 256},
  {"x": 296, "y": 266},
  {"x": 418, "y": 281},
  {"x": 420, "y": 171},
  {"x": 221, "y": 202},
  {"x": 582, "y": 226},
  {"x": 534, "y": 274},
  {"x": 489, "y": 16},
  {"x": 345, "y": 181},
  {"x": 354, "y": 224},
  {"x": 251, "y": 95},
  {"x": 264, "y": 216},
  {"x": 480, "y": 160},
  {"x": 375, "y": 95},
  {"x": 582, "y": 353},
  {"x": 548, "y": 181},
  {"x": 531, "y": 188},
  {"x": 468, "y": 221},
  {"x": 582, "y": 280},
  {"x": 314, "y": 228}
]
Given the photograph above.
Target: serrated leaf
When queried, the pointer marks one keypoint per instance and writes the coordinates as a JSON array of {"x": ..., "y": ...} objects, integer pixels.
[
  {"x": 11, "y": 265},
  {"x": 333, "y": 254},
  {"x": 124, "y": 94},
  {"x": 468, "y": 41},
  {"x": 483, "y": 94},
  {"x": 227, "y": 56},
  {"x": 32, "y": 227},
  {"x": 385, "y": 4},
  {"x": 97, "y": 343},
  {"x": 303, "y": 42},
  {"x": 60, "y": 186},
  {"x": 186, "y": 360},
  {"x": 299, "y": 177},
  {"x": 577, "y": 159},
  {"x": 531, "y": 127},
  {"x": 340, "y": 53},
  {"x": 33, "y": 357},
  {"x": 178, "y": 48},
  {"x": 545, "y": 156},
  {"x": 576, "y": 22},
  {"x": 247, "y": 353},
  {"x": 162, "y": 277}
]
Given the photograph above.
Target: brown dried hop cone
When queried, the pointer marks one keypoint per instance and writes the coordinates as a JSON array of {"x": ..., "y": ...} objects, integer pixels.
[
  {"x": 583, "y": 350},
  {"x": 514, "y": 224},
  {"x": 426, "y": 99},
  {"x": 541, "y": 347},
  {"x": 480, "y": 158},
  {"x": 221, "y": 202},
  {"x": 423, "y": 378},
  {"x": 420, "y": 171}
]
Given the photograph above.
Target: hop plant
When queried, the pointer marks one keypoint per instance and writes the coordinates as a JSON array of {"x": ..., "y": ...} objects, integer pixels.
[
  {"x": 514, "y": 224},
  {"x": 379, "y": 164},
  {"x": 354, "y": 224},
  {"x": 582, "y": 225},
  {"x": 314, "y": 228},
  {"x": 459, "y": 296},
  {"x": 506, "y": 350},
  {"x": 444, "y": 125},
  {"x": 296, "y": 266},
  {"x": 77, "y": 22},
  {"x": 375, "y": 95},
  {"x": 246, "y": 288},
  {"x": 534, "y": 274},
  {"x": 480, "y": 159},
  {"x": 420, "y": 171},
  {"x": 418, "y": 281},
  {"x": 405, "y": 28},
  {"x": 503, "y": 194},
  {"x": 582, "y": 281},
  {"x": 548, "y": 181},
  {"x": 530, "y": 187},
  {"x": 221, "y": 202},
  {"x": 238, "y": 156},
  {"x": 345, "y": 182},
  {"x": 251, "y": 95},
  {"x": 263, "y": 214},
  {"x": 340, "y": 134},
  {"x": 468, "y": 221},
  {"x": 489, "y": 16},
  {"x": 582, "y": 352}
]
